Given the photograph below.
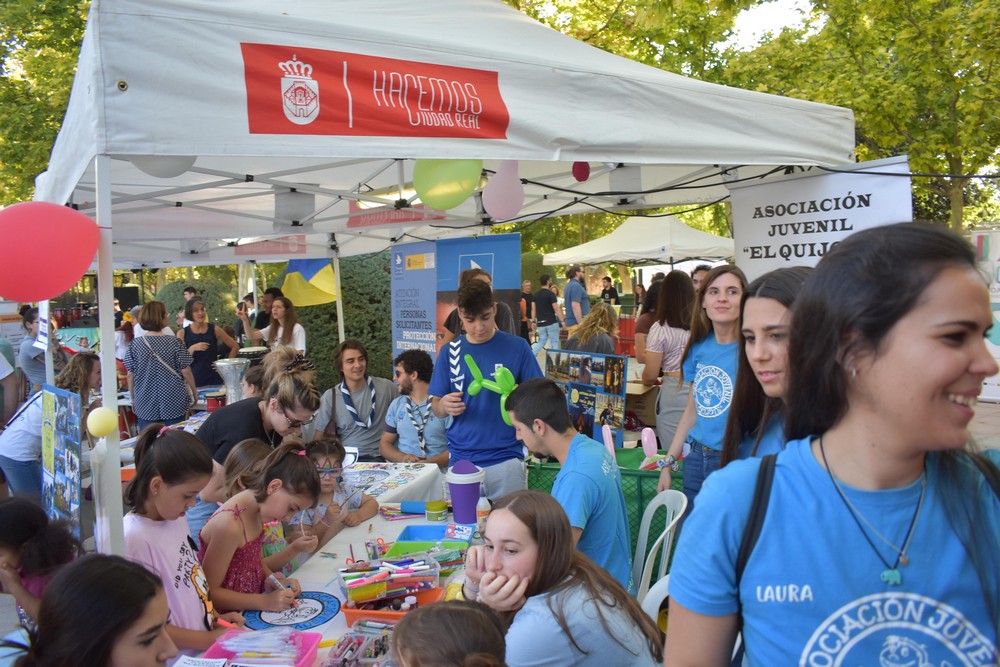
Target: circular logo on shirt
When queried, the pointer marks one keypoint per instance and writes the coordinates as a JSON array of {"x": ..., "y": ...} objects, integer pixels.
[
  {"x": 713, "y": 391},
  {"x": 905, "y": 629}
]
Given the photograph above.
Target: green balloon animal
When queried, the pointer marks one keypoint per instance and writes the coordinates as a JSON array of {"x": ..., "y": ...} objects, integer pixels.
[{"x": 503, "y": 385}]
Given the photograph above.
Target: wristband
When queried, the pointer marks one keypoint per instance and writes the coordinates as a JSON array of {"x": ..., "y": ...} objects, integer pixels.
[{"x": 671, "y": 461}]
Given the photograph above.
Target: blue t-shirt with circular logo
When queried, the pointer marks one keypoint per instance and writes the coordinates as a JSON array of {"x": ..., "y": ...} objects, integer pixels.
[{"x": 711, "y": 369}]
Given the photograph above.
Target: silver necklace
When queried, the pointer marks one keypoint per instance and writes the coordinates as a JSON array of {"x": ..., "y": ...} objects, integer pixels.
[{"x": 890, "y": 575}]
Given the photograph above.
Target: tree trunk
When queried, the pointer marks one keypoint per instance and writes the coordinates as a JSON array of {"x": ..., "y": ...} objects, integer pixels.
[{"x": 956, "y": 194}]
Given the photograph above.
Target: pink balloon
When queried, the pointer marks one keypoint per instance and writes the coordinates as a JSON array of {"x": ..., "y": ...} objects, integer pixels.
[
  {"x": 648, "y": 438},
  {"x": 581, "y": 171},
  {"x": 49, "y": 247},
  {"x": 609, "y": 440},
  {"x": 503, "y": 196}
]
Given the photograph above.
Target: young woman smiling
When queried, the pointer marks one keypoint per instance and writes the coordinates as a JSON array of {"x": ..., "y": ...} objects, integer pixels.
[
  {"x": 756, "y": 419},
  {"x": 709, "y": 364},
  {"x": 892, "y": 520}
]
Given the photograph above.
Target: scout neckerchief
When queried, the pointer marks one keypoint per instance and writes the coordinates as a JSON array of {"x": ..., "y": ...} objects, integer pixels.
[
  {"x": 424, "y": 418},
  {"x": 349, "y": 404}
]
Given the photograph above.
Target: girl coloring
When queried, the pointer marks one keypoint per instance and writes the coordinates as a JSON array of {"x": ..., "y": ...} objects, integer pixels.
[
  {"x": 242, "y": 466},
  {"x": 339, "y": 504},
  {"x": 171, "y": 466},
  {"x": 231, "y": 540}
]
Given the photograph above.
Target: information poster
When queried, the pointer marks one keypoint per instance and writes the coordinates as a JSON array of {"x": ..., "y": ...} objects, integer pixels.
[
  {"x": 987, "y": 245},
  {"x": 594, "y": 385},
  {"x": 414, "y": 295},
  {"x": 794, "y": 220},
  {"x": 61, "y": 435},
  {"x": 499, "y": 255}
]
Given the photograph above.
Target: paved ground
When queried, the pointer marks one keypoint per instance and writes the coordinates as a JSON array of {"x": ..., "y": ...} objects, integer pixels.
[{"x": 985, "y": 429}]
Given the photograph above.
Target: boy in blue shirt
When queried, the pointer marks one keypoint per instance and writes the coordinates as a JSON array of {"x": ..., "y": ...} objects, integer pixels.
[
  {"x": 589, "y": 484},
  {"x": 478, "y": 432}
]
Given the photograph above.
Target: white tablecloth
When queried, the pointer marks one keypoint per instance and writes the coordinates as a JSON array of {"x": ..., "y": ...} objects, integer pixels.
[{"x": 393, "y": 482}]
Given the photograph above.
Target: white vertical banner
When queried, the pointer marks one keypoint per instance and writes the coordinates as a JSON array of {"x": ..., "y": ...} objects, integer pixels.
[
  {"x": 794, "y": 220},
  {"x": 987, "y": 244}
]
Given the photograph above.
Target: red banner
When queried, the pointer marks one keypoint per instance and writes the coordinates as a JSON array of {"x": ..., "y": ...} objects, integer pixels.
[
  {"x": 282, "y": 245},
  {"x": 312, "y": 91},
  {"x": 387, "y": 215}
]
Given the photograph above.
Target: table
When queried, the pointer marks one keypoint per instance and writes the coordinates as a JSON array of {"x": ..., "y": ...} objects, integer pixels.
[
  {"x": 393, "y": 482},
  {"x": 319, "y": 573}
]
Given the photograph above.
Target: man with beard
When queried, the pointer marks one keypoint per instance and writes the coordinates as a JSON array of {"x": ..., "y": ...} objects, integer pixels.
[
  {"x": 412, "y": 433},
  {"x": 354, "y": 409}
]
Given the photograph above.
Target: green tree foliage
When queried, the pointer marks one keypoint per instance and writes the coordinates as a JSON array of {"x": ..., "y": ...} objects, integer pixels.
[
  {"x": 921, "y": 77},
  {"x": 39, "y": 45}
]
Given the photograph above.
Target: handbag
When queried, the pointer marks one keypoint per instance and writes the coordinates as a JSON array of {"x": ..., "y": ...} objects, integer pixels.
[{"x": 192, "y": 396}]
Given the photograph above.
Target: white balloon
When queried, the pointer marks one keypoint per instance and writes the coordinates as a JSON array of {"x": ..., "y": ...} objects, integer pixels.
[
  {"x": 163, "y": 166},
  {"x": 503, "y": 195}
]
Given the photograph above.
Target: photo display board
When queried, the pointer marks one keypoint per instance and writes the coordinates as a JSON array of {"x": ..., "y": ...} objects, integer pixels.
[{"x": 594, "y": 385}]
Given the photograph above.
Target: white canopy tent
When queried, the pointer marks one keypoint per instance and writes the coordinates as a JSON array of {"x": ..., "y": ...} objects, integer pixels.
[
  {"x": 267, "y": 118},
  {"x": 661, "y": 240}
]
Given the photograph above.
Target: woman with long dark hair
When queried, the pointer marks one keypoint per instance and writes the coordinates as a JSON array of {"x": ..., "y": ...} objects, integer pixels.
[
  {"x": 756, "y": 424},
  {"x": 284, "y": 329},
  {"x": 668, "y": 336},
  {"x": 709, "y": 364},
  {"x": 558, "y": 607},
  {"x": 881, "y": 539},
  {"x": 100, "y": 611}
]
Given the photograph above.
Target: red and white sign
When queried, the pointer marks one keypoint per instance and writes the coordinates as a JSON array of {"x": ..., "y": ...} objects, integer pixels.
[
  {"x": 388, "y": 215},
  {"x": 282, "y": 245},
  {"x": 313, "y": 91}
]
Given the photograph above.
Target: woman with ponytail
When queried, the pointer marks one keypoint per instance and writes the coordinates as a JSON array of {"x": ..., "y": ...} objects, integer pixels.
[
  {"x": 231, "y": 540},
  {"x": 289, "y": 403}
]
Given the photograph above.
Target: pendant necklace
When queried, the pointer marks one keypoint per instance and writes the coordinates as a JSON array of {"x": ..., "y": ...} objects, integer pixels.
[{"x": 890, "y": 575}]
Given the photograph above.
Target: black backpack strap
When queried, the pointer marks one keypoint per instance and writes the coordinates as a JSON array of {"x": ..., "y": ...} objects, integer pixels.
[
  {"x": 990, "y": 472},
  {"x": 758, "y": 510}
]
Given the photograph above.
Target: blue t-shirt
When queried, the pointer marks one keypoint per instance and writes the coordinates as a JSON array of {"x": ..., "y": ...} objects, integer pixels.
[
  {"x": 480, "y": 434},
  {"x": 535, "y": 638},
  {"x": 711, "y": 369},
  {"x": 399, "y": 422},
  {"x": 811, "y": 592},
  {"x": 575, "y": 292},
  {"x": 589, "y": 488},
  {"x": 771, "y": 442}
]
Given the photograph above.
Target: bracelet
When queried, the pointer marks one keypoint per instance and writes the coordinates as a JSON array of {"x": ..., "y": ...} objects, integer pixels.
[
  {"x": 671, "y": 461},
  {"x": 474, "y": 589}
]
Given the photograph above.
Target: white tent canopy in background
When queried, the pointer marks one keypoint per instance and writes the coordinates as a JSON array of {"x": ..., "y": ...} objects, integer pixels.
[
  {"x": 660, "y": 240},
  {"x": 283, "y": 117}
]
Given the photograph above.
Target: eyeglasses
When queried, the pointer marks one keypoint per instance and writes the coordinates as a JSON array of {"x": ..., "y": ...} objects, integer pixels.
[
  {"x": 329, "y": 472},
  {"x": 294, "y": 423}
]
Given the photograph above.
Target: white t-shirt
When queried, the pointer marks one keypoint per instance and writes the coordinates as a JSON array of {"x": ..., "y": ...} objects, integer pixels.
[
  {"x": 298, "y": 338},
  {"x": 138, "y": 331},
  {"x": 166, "y": 549},
  {"x": 22, "y": 440}
]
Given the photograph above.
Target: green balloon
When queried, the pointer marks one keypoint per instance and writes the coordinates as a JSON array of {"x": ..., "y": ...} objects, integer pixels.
[{"x": 444, "y": 184}]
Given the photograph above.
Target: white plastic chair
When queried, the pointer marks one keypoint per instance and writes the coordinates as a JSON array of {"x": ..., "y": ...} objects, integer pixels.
[
  {"x": 674, "y": 502},
  {"x": 655, "y": 597}
]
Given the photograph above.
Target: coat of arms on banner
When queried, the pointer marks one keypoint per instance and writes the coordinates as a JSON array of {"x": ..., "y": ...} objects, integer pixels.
[{"x": 299, "y": 92}]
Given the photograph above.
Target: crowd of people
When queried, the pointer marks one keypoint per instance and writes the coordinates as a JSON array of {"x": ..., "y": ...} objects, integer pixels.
[{"x": 837, "y": 513}]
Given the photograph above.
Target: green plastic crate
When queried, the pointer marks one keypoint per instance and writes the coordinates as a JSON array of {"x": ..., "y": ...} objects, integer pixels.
[{"x": 638, "y": 487}]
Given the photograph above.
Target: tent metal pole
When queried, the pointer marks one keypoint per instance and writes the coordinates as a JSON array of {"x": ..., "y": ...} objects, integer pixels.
[
  {"x": 340, "y": 297},
  {"x": 110, "y": 532}
]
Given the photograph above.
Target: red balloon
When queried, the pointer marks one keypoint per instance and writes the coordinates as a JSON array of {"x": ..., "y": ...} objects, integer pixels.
[
  {"x": 581, "y": 171},
  {"x": 47, "y": 249}
]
